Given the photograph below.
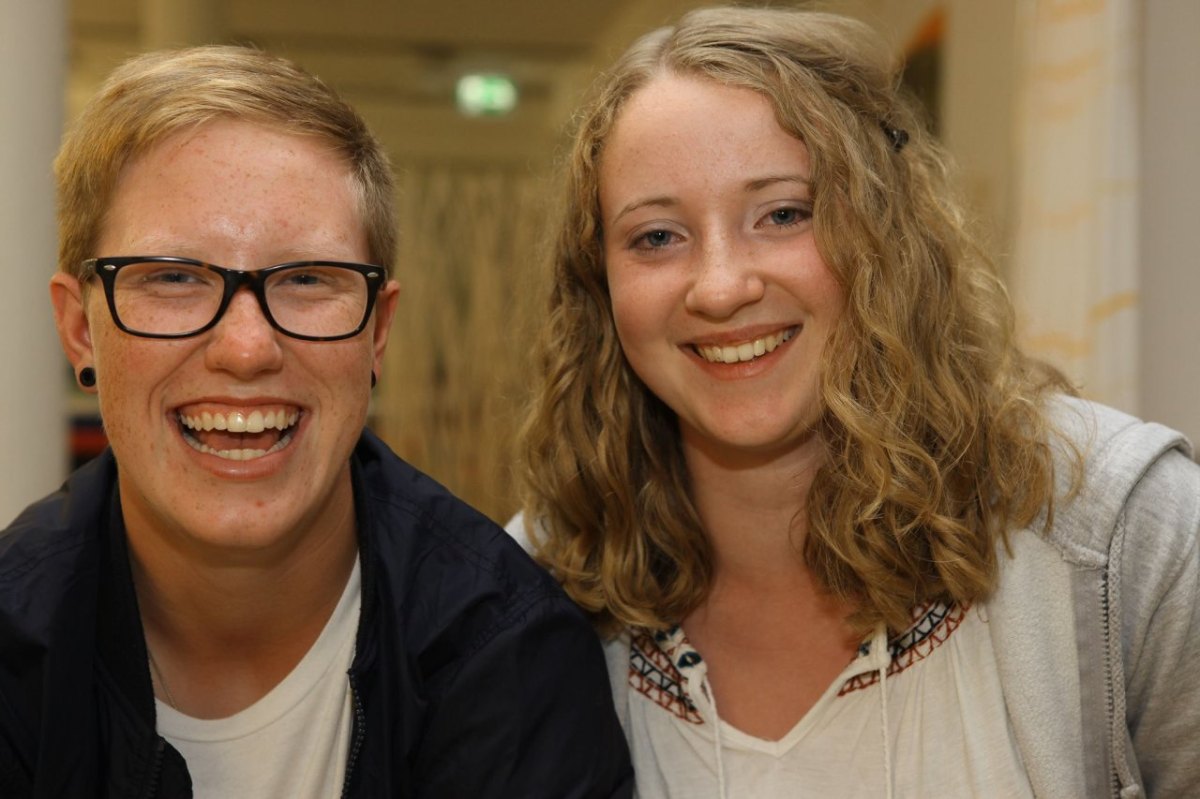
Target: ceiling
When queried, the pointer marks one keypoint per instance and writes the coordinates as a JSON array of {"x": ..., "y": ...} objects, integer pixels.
[{"x": 397, "y": 60}]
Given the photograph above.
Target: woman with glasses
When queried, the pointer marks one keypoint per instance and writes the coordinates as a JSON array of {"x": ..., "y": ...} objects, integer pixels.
[
  {"x": 249, "y": 595},
  {"x": 843, "y": 539}
]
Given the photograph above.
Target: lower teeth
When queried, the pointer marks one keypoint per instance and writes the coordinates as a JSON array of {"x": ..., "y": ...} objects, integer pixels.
[{"x": 238, "y": 454}]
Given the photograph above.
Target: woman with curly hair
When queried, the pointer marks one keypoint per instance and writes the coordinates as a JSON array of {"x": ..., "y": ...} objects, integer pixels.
[{"x": 841, "y": 536}]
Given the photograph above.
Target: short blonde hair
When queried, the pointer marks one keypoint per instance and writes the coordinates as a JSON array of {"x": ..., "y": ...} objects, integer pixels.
[
  {"x": 155, "y": 95},
  {"x": 932, "y": 417}
]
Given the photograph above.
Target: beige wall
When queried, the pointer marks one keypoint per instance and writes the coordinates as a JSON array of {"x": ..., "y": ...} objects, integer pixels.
[
  {"x": 1170, "y": 244},
  {"x": 32, "y": 430}
]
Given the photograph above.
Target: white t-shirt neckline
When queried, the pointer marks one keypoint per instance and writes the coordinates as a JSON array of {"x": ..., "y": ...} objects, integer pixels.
[{"x": 294, "y": 740}]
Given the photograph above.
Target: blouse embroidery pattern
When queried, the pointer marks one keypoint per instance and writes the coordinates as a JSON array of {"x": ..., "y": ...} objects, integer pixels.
[
  {"x": 653, "y": 674},
  {"x": 655, "y": 659}
]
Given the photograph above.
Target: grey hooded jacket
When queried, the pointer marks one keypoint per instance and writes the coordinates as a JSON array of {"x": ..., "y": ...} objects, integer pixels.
[{"x": 1096, "y": 621}]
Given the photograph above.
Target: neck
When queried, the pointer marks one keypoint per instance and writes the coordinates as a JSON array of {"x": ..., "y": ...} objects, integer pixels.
[
  {"x": 224, "y": 626},
  {"x": 752, "y": 507},
  {"x": 247, "y": 606}
]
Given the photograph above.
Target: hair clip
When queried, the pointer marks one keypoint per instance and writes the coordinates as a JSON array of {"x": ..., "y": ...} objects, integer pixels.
[{"x": 897, "y": 136}]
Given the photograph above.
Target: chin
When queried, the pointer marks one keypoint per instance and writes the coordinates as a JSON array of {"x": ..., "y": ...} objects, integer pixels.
[{"x": 240, "y": 537}]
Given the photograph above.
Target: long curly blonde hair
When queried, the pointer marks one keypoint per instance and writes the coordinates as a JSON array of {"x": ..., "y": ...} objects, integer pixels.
[{"x": 933, "y": 419}]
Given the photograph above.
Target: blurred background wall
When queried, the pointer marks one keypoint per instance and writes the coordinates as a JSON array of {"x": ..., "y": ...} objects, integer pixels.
[{"x": 1072, "y": 122}]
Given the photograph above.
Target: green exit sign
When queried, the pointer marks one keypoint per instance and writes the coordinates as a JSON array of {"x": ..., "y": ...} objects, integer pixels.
[{"x": 480, "y": 95}]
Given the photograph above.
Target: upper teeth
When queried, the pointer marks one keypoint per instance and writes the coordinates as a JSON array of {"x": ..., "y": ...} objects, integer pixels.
[
  {"x": 747, "y": 351},
  {"x": 239, "y": 422}
]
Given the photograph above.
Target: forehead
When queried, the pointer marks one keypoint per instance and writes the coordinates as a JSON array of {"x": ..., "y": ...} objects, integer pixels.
[
  {"x": 229, "y": 147},
  {"x": 675, "y": 107},
  {"x": 231, "y": 183},
  {"x": 689, "y": 128}
]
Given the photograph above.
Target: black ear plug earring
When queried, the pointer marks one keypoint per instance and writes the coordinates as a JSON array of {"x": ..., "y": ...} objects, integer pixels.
[
  {"x": 373, "y": 378},
  {"x": 87, "y": 377}
]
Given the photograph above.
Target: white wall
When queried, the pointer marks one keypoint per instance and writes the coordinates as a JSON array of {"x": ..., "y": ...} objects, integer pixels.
[
  {"x": 1170, "y": 247},
  {"x": 32, "y": 368}
]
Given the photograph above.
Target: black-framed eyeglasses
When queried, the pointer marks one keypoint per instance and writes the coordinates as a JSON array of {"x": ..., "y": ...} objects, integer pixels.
[{"x": 161, "y": 296}]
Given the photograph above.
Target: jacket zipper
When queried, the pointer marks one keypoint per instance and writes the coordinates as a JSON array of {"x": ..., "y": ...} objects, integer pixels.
[
  {"x": 356, "y": 737},
  {"x": 1114, "y": 779},
  {"x": 155, "y": 768}
]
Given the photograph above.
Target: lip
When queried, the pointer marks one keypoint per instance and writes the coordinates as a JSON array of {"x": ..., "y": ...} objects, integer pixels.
[{"x": 742, "y": 335}]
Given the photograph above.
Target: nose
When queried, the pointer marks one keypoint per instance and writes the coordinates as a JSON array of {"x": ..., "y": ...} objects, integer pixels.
[
  {"x": 725, "y": 279},
  {"x": 243, "y": 343}
]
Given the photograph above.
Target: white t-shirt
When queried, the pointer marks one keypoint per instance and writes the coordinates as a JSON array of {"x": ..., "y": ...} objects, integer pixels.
[
  {"x": 294, "y": 741},
  {"x": 948, "y": 732}
]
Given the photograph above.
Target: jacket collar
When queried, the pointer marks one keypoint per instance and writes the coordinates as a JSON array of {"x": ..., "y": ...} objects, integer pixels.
[{"x": 120, "y": 639}]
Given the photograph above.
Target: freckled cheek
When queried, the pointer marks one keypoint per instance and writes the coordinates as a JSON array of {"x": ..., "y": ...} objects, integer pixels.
[
  {"x": 624, "y": 320},
  {"x": 348, "y": 362},
  {"x": 640, "y": 313},
  {"x": 128, "y": 368},
  {"x": 822, "y": 282},
  {"x": 640, "y": 346},
  {"x": 833, "y": 298},
  {"x": 342, "y": 374},
  {"x": 131, "y": 419}
]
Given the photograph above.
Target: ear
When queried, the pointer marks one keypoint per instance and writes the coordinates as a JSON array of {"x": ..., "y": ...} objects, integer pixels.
[
  {"x": 70, "y": 317},
  {"x": 385, "y": 312}
]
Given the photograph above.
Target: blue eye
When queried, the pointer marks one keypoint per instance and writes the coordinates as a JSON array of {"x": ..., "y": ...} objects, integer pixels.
[
  {"x": 655, "y": 239},
  {"x": 171, "y": 276},
  {"x": 784, "y": 217},
  {"x": 302, "y": 278},
  {"x": 160, "y": 275}
]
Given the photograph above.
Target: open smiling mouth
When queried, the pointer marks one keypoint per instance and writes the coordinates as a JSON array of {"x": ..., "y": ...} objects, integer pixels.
[
  {"x": 239, "y": 436},
  {"x": 746, "y": 351}
]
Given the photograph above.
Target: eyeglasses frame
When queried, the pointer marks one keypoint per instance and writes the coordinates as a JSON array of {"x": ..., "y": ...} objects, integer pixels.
[{"x": 106, "y": 269}]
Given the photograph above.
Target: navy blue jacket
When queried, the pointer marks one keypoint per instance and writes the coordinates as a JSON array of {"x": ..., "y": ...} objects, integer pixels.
[{"x": 473, "y": 676}]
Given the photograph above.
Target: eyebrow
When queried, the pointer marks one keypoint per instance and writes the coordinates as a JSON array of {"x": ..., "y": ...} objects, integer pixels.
[
  {"x": 666, "y": 201},
  {"x": 770, "y": 180},
  {"x": 663, "y": 202},
  {"x": 160, "y": 245}
]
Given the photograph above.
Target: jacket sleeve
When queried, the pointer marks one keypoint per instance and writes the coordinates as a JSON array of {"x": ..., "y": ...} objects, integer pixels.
[
  {"x": 528, "y": 714},
  {"x": 1160, "y": 609}
]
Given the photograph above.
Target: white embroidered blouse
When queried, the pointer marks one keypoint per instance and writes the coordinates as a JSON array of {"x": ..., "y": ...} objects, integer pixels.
[{"x": 920, "y": 715}]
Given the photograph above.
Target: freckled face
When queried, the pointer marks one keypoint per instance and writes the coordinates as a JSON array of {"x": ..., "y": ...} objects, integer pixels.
[
  {"x": 722, "y": 302},
  {"x": 241, "y": 196}
]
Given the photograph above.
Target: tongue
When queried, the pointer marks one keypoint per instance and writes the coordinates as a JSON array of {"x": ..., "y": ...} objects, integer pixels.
[{"x": 219, "y": 439}]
